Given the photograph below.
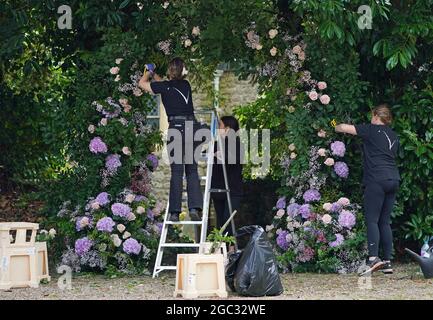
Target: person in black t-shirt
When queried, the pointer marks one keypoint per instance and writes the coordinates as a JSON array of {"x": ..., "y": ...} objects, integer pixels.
[
  {"x": 381, "y": 181},
  {"x": 233, "y": 151},
  {"x": 176, "y": 95}
]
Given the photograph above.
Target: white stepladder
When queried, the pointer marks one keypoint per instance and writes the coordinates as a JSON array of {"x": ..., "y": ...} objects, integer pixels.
[{"x": 209, "y": 157}]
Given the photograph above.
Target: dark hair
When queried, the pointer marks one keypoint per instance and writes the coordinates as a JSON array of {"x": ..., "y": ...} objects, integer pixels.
[
  {"x": 175, "y": 69},
  {"x": 384, "y": 113},
  {"x": 231, "y": 122}
]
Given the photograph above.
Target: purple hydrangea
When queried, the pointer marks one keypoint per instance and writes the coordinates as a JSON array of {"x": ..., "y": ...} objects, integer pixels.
[
  {"x": 83, "y": 246},
  {"x": 338, "y": 241},
  {"x": 159, "y": 225},
  {"x": 338, "y": 148},
  {"x": 311, "y": 195},
  {"x": 154, "y": 160},
  {"x": 97, "y": 146},
  {"x": 103, "y": 198},
  {"x": 293, "y": 210},
  {"x": 336, "y": 207},
  {"x": 112, "y": 162},
  {"x": 281, "y": 203},
  {"x": 305, "y": 211},
  {"x": 347, "y": 219},
  {"x": 140, "y": 198},
  {"x": 150, "y": 214},
  {"x": 282, "y": 240},
  {"x": 105, "y": 225},
  {"x": 341, "y": 169},
  {"x": 131, "y": 246},
  {"x": 121, "y": 210}
]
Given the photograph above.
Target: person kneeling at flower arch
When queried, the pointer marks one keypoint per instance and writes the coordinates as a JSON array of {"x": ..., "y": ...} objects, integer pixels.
[{"x": 381, "y": 181}]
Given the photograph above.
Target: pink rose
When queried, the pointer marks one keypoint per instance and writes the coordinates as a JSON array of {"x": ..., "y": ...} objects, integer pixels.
[
  {"x": 327, "y": 206},
  {"x": 280, "y": 213},
  {"x": 114, "y": 70},
  {"x": 343, "y": 202},
  {"x": 123, "y": 102},
  {"x": 329, "y": 162},
  {"x": 322, "y": 85},
  {"x": 325, "y": 99},
  {"x": 273, "y": 51},
  {"x": 293, "y": 155},
  {"x": 313, "y": 95},
  {"x": 321, "y": 133},
  {"x": 137, "y": 92},
  {"x": 117, "y": 79},
  {"x": 273, "y": 33},
  {"x": 126, "y": 151},
  {"x": 301, "y": 56},
  {"x": 326, "y": 219},
  {"x": 104, "y": 122},
  {"x": 297, "y": 49},
  {"x": 322, "y": 152},
  {"x": 196, "y": 31},
  {"x": 119, "y": 61}
]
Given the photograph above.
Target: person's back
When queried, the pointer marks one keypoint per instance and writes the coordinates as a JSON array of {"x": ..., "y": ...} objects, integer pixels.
[
  {"x": 380, "y": 147},
  {"x": 176, "y": 96}
]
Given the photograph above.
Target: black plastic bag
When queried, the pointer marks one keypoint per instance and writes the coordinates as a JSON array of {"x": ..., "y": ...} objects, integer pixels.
[
  {"x": 256, "y": 268},
  {"x": 231, "y": 267}
]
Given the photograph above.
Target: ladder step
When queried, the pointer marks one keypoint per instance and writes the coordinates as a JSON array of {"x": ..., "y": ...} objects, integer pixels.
[
  {"x": 184, "y": 245},
  {"x": 183, "y": 222},
  {"x": 161, "y": 268},
  {"x": 218, "y": 190}
]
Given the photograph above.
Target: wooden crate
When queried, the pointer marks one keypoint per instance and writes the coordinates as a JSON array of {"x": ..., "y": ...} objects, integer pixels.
[
  {"x": 200, "y": 275},
  {"x": 18, "y": 256},
  {"x": 42, "y": 259}
]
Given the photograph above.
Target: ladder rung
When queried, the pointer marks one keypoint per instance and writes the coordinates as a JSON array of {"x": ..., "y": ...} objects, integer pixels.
[
  {"x": 185, "y": 245},
  {"x": 161, "y": 268},
  {"x": 218, "y": 190},
  {"x": 183, "y": 222}
]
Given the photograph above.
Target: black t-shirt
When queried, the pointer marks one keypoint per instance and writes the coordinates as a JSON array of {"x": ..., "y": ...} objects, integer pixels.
[
  {"x": 380, "y": 146},
  {"x": 233, "y": 160},
  {"x": 176, "y": 96}
]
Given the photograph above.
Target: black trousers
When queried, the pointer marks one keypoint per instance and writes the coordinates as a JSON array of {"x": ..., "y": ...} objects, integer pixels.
[
  {"x": 222, "y": 209},
  {"x": 181, "y": 143},
  {"x": 379, "y": 199}
]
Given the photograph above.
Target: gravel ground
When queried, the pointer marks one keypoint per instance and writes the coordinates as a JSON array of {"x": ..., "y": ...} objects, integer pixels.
[{"x": 406, "y": 283}]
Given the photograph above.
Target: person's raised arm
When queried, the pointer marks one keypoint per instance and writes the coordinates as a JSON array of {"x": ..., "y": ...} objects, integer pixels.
[
  {"x": 145, "y": 81},
  {"x": 346, "y": 128}
]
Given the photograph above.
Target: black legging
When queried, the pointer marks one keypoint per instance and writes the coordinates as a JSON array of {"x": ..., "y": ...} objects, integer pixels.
[
  {"x": 179, "y": 166},
  {"x": 379, "y": 198}
]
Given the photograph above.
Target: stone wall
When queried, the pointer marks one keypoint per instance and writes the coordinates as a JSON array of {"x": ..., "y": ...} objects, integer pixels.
[{"x": 233, "y": 92}]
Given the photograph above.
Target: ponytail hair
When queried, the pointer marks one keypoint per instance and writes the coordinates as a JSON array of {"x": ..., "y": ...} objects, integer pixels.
[{"x": 384, "y": 113}]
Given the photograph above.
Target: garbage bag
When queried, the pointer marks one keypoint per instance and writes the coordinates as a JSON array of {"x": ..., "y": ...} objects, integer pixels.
[
  {"x": 231, "y": 267},
  {"x": 257, "y": 272}
]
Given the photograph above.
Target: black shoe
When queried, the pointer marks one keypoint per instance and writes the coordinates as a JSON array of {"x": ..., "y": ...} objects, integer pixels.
[
  {"x": 173, "y": 216},
  {"x": 387, "y": 268},
  {"x": 195, "y": 214},
  {"x": 372, "y": 266}
]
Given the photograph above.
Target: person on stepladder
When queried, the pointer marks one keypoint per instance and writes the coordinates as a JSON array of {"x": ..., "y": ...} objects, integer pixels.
[
  {"x": 232, "y": 146},
  {"x": 176, "y": 95},
  {"x": 381, "y": 183}
]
